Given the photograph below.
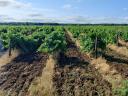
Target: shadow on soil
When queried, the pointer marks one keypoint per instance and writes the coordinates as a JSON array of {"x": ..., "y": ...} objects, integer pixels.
[
  {"x": 115, "y": 59},
  {"x": 16, "y": 76},
  {"x": 64, "y": 60}
]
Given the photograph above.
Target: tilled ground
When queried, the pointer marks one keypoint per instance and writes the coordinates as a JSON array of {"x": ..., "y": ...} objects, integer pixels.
[
  {"x": 74, "y": 76},
  {"x": 16, "y": 76},
  {"x": 121, "y": 68},
  {"x": 78, "y": 78},
  {"x": 120, "y": 63}
]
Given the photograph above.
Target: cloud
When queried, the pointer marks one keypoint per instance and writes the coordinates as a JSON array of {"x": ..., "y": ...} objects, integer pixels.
[
  {"x": 35, "y": 15},
  {"x": 67, "y": 6},
  {"x": 93, "y": 20},
  {"x": 13, "y": 4},
  {"x": 75, "y": 0},
  {"x": 4, "y": 3},
  {"x": 18, "y": 11},
  {"x": 125, "y": 9},
  {"x": 6, "y": 18},
  {"x": 41, "y": 19}
]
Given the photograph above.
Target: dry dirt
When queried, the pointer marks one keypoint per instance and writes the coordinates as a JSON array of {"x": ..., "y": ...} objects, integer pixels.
[
  {"x": 119, "y": 62},
  {"x": 108, "y": 73},
  {"x": 43, "y": 85},
  {"x": 5, "y": 58},
  {"x": 73, "y": 39},
  {"x": 119, "y": 50},
  {"x": 123, "y": 43},
  {"x": 74, "y": 76},
  {"x": 16, "y": 76}
]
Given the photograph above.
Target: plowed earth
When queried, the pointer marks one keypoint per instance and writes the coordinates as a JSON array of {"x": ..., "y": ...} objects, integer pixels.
[
  {"x": 16, "y": 76},
  {"x": 119, "y": 62},
  {"x": 74, "y": 76}
]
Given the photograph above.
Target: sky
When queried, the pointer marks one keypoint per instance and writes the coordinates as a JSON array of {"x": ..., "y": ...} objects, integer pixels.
[{"x": 64, "y": 11}]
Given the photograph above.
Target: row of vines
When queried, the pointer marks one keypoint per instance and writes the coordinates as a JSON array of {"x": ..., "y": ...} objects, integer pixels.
[
  {"x": 51, "y": 38},
  {"x": 33, "y": 38},
  {"x": 91, "y": 37}
]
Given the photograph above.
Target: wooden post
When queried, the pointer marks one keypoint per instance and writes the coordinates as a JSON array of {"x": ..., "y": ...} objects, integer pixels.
[
  {"x": 10, "y": 47},
  {"x": 117, "y": 39},
  {"x": 96, "y": 47}
]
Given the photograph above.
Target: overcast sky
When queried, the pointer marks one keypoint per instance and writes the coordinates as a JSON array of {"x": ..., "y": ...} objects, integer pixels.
[{"x": 64, "y": 11}]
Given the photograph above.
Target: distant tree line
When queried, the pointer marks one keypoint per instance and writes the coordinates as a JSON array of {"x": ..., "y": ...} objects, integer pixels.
[{"x": 40, "y": 24}]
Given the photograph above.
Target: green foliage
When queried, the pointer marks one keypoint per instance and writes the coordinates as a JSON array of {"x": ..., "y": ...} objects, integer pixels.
[
  {"x": 124, "y": 35},
  {"x": 105, "y": 35},
  {"x": 55, "y": 41},
  {"x": 45, "y": 38},
  {"x": 32, "y": 38},
  {"x": 87, "y": 43},
  {"x": 122, "y": 91}
]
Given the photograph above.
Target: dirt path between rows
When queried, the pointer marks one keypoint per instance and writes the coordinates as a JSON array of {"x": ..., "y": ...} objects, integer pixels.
[
  {"x": 119, "y": 62},
  {"x": 109, "y": 74},
  {"x": 77, "y": 42},
  {"x": 119, "y": 50},
  {"x": 5, "y": 58},
  {"x": 74, "y": 76},
  {"x": 123, "y": 43},
  {"x": 73, "y": 39},
  {"x": 16, "y": 76},
  {"x": 43, "y": 85}
]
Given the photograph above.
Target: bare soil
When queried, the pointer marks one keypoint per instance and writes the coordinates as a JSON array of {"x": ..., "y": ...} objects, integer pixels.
[
  {"x": 119, "y": 62},
  {"x": 75, "y": 76},
  {"x": 108, "y": 73},
  {"x": 5, "y": 58},
  {"x": 121, "y": 51},
  {"x": 15, "y": 77},
  {"x": 43, "y": 85},
  {"x": 123, "y": 43}
]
